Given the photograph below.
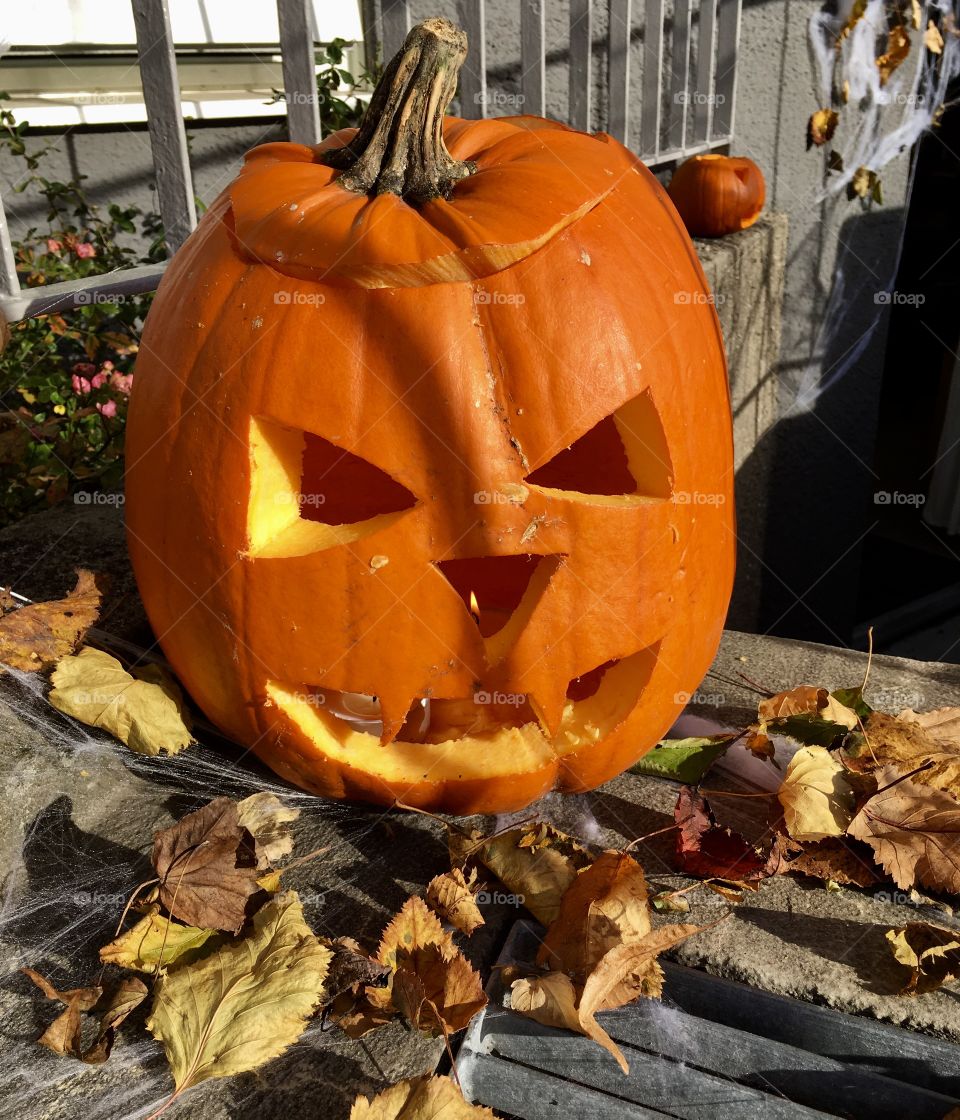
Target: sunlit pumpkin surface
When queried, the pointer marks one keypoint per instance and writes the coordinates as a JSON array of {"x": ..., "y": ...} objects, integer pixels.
[{"x": 435, "y": 503}]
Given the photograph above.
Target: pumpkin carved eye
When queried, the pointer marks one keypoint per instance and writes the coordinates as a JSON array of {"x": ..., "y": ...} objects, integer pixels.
[
  {"x": 622, "y": 460},
  {"x": 308, "y": 494}
]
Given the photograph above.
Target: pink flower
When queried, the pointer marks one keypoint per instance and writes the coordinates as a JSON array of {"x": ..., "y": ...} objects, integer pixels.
[
  {"x": 121, "y": 382},
  {"x": 85, "y": 249},
  {"x": 97, "y": 380},
  {"x": 80, "y": 385},
  {"x": 53, "y": 246},
  {"x": 107, "y": 408}
]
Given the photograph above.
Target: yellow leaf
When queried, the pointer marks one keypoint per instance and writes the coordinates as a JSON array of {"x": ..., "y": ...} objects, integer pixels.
[
  {"x": 821, "y": 127},
  {"x": 931, "y": 953},
  {"x": 246, "y": 1002},
  {"x": 932, "y": 39},
  {"x": 451, "y": 897},
  {"x": 865, "y": 184},
  {"x": 422, "y": 1098},
  {"x": 140, "y": 946},
  {"x": 415, "y": 927},
  {"x": 807, "y": 699},
  {"x": 898, "y": 47},
  {"x": 856, "y": 14},
  {"x": 916, "y": 14},
  {"x": 941, "y": 723},
  {"x": 533, "y": 864},
  {"x": 816, "y": 797},
  {"x": 37, "y": 635},
  {"x": 147, "y": 713}
]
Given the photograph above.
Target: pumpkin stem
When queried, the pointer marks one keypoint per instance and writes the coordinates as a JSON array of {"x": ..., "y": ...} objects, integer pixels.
[{"x": 399, "y": 146}]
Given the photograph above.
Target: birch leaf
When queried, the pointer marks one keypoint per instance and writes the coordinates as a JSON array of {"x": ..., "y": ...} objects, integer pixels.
[
  {"x": 144, "y": 712},
  {"x": 451, "y": 897},
  {"x": 422, "y": 1098},
  {"x": 245, "y": 1003}
]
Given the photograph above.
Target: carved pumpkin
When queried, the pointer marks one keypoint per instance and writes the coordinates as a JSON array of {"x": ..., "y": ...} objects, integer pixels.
[
  {"x": 429, "y": 465},
  {"x": 716, "y": 195}
]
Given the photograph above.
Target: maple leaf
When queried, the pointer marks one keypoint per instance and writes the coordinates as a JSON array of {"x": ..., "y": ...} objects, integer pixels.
[
  {"x": 422, "y": 1098},
  {"x": 816, "y": 796},
  {"x": 246, "y": 1002},
  {"x": 606, "y": 905},
  {"x": 909, "y": 744},
  {"x": 145, "y": 712},
  {"x": 836, "y": 859},
  {"x": 451, "y": 896},
  {"x": 706, "y": 850},
  {"x": 914, "y": 832},
  {"x": 156, "y": 941},
  {"x": 821, "y": 127},
  {"x": 931, "y": 953},
  {"x": 37, "y": 635},
  {"x": 207, "y": 867}
]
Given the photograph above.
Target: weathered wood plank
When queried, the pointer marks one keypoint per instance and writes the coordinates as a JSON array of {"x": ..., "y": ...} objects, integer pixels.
[
  {"x": 652, "y": 72},
  {"x": 46, "y": 298},
  {"x": 618, "y": 69},
  {"x": 703, "y": 88},
  {"x": 580, "y": 82},
  {"x": 395, "y": 18},
  {"x": 533, "y": 62},
  {"x": 725, "y": 83},
  {"x": 473, "y": 74},
  {"x": 168, "y": 138},
  {"x": 299, "y": 71},
  {"x": 679, "y": 75}
]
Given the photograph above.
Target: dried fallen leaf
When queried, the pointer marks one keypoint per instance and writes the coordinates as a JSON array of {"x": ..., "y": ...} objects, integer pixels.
[
  {"x": 706, "y": 850},
  {"x": 942, "y": 723},
  {"x": 816, "y": 796},
  {"x": 435, "y": 994},
  {"x": 245, "y": 1003},
  {"x": 669, "y": 902},
  {"x": 422, "y": 1098},
  {"x": 865, "y": 184},
  {"x": 908, "y": 744},
  {"x": 452, "y": 897},
  {"x": 898, "y": 47},
  {"x": 207, "y": 867},
  {"x": 808, "y": 714},
  {"x": 141, "y": 946},
  {"x": 916, "y": 14},
  {"x": 606, "y": 905},
  {"x": 37, "y": 635},
  {"x": 932, "y": 39},
  {"x": 63, "y": 1034},
  {"x": 537, "y": 863},
  {"x": 267, "y": 820},
  {"x": 351, "y": 967},
  {"x": 821, "y": 127},
  {"x": 836, "y": 859},
  {"x": 932, "y": 954},
  {"x": 146, "y": 712},
  {"x": 415, "y": 927},
  {"x": 127, "y": 996},
  {"x": 913, "y": 831}
]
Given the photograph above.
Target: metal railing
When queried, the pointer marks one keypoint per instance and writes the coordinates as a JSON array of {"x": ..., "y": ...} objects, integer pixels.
[{"x": 686, "y": 95}]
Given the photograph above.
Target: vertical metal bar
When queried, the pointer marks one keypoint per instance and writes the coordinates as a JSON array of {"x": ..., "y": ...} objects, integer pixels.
[
  {"x": 372, "y": 26},
  {"x": 652, "y": 71},
  {"x": 395, "y": 15},
  {"x": 725, "y": 85},
  {"x": 704, "y": 84},
  {"x": 9, "y": 281},
  {"x": 679, "y": 75},
  {"x": 581, "y": 54},
  {"x": 299, "y": 70},
  {"x": 533, "y": 62},
  {"x": 618, "y": 69},
  {"x": 473, "y": 74},
  {"x": 168, "y": 138}
]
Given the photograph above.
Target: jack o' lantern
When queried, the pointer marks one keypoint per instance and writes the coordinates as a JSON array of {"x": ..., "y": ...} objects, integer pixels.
[
  {"x": 429, "y": 464},
  {"x": 716, "y": 195}
]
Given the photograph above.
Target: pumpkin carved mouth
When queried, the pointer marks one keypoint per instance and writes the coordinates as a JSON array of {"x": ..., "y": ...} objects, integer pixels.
[{"x": 478, "y": 734}]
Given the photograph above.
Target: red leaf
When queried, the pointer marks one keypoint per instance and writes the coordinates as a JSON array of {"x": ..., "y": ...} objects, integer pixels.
[{"x": 706, "y": 850}]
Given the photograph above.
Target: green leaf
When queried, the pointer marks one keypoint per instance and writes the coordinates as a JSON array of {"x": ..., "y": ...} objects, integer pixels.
[
  {"x": 853, "y": 698},
  {"x": 683, "y": 760},
  {"x": 811, "y": 730}
]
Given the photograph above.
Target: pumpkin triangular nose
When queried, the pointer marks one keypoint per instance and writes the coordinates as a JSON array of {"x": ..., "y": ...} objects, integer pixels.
[{"x": 501, "y": 592}]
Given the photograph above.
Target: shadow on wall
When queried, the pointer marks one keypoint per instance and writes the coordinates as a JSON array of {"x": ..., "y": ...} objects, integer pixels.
[{"x": 814, "y": 470}]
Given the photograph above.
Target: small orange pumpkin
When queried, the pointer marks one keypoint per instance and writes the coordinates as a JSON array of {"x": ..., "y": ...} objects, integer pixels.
[
  {"x": 429, "y": 456},
  {"x": 716, "y": 195}
]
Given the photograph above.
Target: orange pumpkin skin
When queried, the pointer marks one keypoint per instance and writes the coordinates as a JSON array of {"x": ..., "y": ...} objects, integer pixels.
[
  {"x": 716, "y": 195},
  {"x": 458, "y": 348}
]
